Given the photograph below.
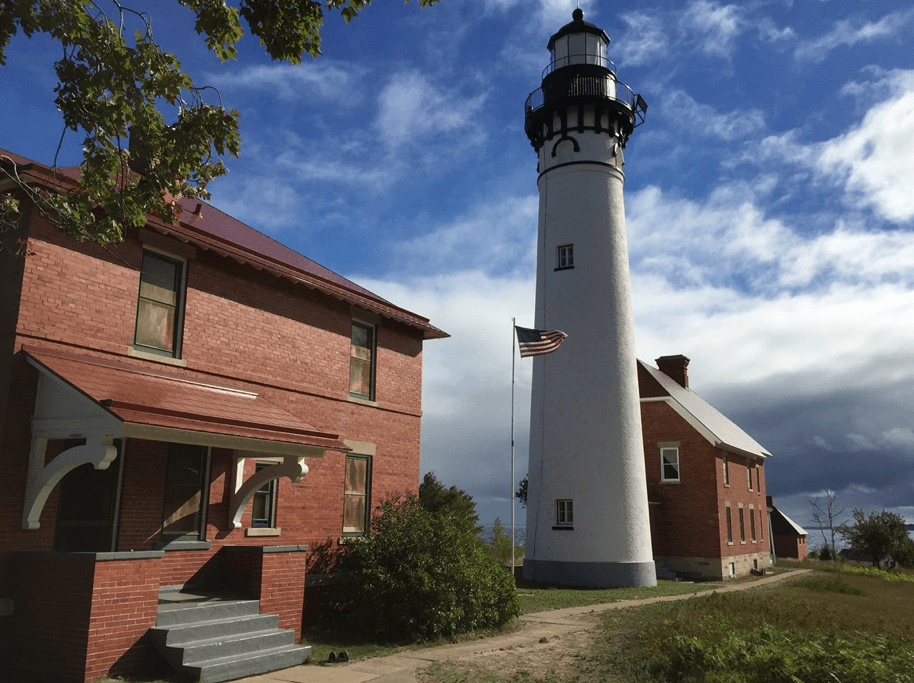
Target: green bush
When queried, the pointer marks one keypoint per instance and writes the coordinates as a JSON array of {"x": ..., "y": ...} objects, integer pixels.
[
  {"x": 418, "y": 575},
  {"x": 728, "y": 652}
]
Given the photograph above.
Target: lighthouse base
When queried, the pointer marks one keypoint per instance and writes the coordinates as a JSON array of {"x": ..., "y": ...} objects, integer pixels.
[{"x": 591, "y": 574}]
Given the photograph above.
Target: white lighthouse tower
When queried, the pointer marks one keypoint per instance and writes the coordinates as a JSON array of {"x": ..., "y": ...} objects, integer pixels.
[{"x": 587, "y": 510}]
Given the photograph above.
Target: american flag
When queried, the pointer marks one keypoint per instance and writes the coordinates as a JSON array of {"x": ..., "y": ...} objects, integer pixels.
[{"x": 538, "y": 342}]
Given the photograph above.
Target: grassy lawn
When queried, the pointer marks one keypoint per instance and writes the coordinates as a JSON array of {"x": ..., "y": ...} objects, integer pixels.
[
  {"x": 850, "y": 626},
  {"x": 542, "y": 599}
]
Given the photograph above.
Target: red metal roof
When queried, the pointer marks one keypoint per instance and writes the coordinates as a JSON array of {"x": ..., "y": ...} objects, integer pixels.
[
  {"x": 210, "y": 228},
  {"x": 157, "y": 398}
]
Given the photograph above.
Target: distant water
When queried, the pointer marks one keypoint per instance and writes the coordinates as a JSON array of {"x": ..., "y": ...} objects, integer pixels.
[{"x": 520, "y": 532}]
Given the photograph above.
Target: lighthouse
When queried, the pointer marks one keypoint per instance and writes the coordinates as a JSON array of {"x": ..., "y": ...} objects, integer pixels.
[{"x": 587, "y": 509}]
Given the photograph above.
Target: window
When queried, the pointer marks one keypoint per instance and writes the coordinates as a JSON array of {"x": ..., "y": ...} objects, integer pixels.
[
  {"x": 732, "y": 568},
  {"x": 564, "y": 257},
  {"x": 729, "y": 524},
  {"x": 726, "y": 471},
  {"x": 669, "y": 464},
  {"x": 263, "y": 504},
  {"x": 185, "y": 492},
  {"x": 361, "y": 361},
  {"x": 758, "y": 478},
  {"x": 752, "y": 524},
  {"x": 749, "y": 475},
  {"x": 355, "y": 495},
  {"x": 160, "y": 306},
  {"x": 742, "y": 526},
  {"x": 564, "y": 512}
]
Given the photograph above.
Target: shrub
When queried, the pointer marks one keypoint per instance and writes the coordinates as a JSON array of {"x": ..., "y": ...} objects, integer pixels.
[{"x": 418, "y": 575}]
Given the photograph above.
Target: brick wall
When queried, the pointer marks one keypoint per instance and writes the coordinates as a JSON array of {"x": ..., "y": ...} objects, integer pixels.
[
  {"x": 287, "y": 342},
  {"x": 688, "y": 518}
]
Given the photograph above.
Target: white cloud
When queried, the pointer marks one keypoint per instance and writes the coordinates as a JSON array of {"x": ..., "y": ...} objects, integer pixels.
[
  {"x": 851, "y": 32},
  {"x": 729, "y": 126},
  {"x": 645, "y": 40},
  {"x": 716, "y": 26},
  {"x": 411, "y": 109},
  {"x": 496, "y": 235},
  {"x": 876, "y": 159},
  {"x": 320, "y": 80},
  {"x": 899, "y": 436}
]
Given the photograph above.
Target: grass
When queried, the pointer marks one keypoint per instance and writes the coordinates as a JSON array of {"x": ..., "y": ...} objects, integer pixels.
[
  {"x": 543, "y": 599},
  {"x": 852, "y": 626}
]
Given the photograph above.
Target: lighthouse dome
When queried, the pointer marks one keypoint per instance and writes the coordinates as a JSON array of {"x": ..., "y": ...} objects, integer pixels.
[{"x": 578, "y": 42}]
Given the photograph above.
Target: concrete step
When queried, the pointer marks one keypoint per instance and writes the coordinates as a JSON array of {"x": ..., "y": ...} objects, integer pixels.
[
  {"x": 204, "y": 630},
  {"x": 185, "y": 614},
  {"x": 229, "y": 646},
  {"x": 211, "y": 639},
  {"x": 228, "y": 668}
]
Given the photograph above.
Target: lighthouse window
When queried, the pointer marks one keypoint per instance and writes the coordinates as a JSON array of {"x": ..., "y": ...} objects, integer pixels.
[
  {"x": 564, "y": 512},
  {"x": 565, "y": 257},
  {"x": 669, "y": 464}
]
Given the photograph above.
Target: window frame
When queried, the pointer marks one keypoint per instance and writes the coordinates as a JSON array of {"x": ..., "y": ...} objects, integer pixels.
[
  {"x": 564, "y": 257},
  {"x": 663, "y": 464},
  {"x": 749, "y": 475},
  {"x": 270, "y": 491},
  {"x": 742, "y": 524},
  {"x": 752, "y": 524},
  {"x": 366, "y": 495},
  {"x": 729, "y": 513},
  {"x": 564, "y": 513},
  {"x": 179, "y": 305},
  {"x": 199, "y": 534},
  {"x": 372, "y": 359},
  {"x": 726, "y": 471}
]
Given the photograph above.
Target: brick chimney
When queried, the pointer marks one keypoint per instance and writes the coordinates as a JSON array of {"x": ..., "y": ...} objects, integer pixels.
[{"x": 676, "y": 368}]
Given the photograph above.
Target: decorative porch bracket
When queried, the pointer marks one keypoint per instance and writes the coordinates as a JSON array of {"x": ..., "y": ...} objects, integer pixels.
[
  {"x": 98, "y": 451},
  {"x": 292, "y": 466}
]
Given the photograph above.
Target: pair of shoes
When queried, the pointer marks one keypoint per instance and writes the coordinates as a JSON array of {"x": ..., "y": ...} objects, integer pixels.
[{"x": 342, "y": 656}]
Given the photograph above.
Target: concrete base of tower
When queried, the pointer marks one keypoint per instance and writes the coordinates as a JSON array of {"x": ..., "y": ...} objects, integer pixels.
[{"x": 591, "y": 574}]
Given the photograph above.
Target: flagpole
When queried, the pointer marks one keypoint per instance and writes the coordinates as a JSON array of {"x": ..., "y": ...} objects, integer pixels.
[{"x": 511, "y": 497}]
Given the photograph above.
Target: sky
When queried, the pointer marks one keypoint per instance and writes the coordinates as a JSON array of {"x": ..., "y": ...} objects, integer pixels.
[{"x": 768, "y": 198}]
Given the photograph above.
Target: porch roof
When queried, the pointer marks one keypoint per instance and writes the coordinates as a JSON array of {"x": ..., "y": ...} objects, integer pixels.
[{"x": 159, "y": 405}]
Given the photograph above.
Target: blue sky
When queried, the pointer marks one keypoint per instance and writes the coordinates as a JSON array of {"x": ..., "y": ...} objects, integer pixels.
[{"x": 768, "y": 196}]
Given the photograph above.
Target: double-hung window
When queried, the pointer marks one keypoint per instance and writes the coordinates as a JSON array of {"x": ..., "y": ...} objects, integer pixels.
[
  {"x": 356, "y": 495},
  {"x": 669, "y": 463},
  {"x": 726, "y": 470},
  {"x": 742, "y": 525},
  {"x": 752, "y": 524},
  {"x": 564, "y": 512},
  {"x": 361, "y": 361},
  {"x": 160, "y": 307},
  {"x": 263, "y": 505},
  {"x": 564, "y": 257},
  {"x": 729, "y": 524}
]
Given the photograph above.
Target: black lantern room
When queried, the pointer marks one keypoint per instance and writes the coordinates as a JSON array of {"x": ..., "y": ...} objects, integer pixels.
[{"x": 580, "y": 75}]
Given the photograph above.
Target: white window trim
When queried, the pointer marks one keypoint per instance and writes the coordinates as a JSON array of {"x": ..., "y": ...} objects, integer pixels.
[
  {"x": 564, "y": 512},
  {"x": 561, "y": 250},
  {"x": 663, "y": 477}
]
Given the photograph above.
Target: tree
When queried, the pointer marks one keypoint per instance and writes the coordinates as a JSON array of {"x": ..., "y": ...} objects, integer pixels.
[
  {"x": 151, "y": 135},
  {"x": 878, "y": 535},
  {"x": 420, "y": 575},
  {"x": 826, "y": 517},
  {"x": 438, "y": 499},
  {"x": 499, "y": 543},
  {"x": 521, "y": 493}
]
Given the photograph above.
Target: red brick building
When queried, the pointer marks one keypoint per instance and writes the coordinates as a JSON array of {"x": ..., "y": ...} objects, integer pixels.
[
  {"x": 705, "y": 480},
  {"x": 789, "y": 537},
  {"x": 197, "y": 406}
]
